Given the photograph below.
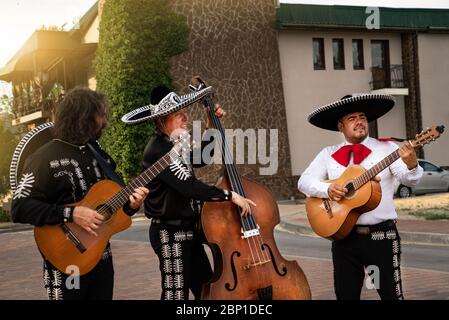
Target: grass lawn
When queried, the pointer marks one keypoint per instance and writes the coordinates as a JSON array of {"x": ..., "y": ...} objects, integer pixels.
[{"x": 427, "y": 207}]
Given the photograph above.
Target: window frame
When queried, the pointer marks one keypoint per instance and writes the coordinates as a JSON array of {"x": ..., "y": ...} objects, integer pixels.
[
  {"x": 321, "y": 53},
  {"x": 361, "y": 54},
  {"x": 341, "y": 46}
]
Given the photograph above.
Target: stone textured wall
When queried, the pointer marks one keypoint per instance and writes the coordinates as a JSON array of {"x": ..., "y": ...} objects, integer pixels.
[
  {"x": 413, "y": 116},
  {"x": 233, "y": 47}
]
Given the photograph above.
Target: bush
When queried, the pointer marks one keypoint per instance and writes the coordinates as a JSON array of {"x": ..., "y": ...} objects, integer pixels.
[
  {"x": 4, "y": 216},
  {"x": 7, "y": 146},
  {"x": 137, "y": 39}
]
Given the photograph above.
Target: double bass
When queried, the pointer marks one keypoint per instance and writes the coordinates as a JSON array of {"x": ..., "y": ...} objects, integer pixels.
[{"x": 247, "y": 262}]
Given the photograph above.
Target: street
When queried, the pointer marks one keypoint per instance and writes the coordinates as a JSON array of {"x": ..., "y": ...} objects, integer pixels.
[{"x": 413, "y": 256}]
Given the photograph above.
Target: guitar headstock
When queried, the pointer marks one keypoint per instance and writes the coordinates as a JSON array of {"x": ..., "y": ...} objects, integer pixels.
[
  {"x": 427, "y": 136},
  {"x": 181, "y": 139}
]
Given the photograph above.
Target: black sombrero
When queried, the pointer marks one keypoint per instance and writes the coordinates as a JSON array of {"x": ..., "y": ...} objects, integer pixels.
[
  {"x": 373, "y": 105},
  {"x": 32, "y": 141},
  {"x": 163, "y": 105}
]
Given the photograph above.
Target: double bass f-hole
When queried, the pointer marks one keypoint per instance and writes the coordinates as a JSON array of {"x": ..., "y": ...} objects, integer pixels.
[
  {"x": 284, "y": 269},
  {"x": 234, "y": 272}
]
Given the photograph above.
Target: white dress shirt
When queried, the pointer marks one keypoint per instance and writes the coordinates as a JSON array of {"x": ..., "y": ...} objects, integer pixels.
[{"x": 324, "y": 167}]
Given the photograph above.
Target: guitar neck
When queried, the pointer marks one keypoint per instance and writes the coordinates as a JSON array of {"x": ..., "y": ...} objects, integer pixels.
[
  {"x": 425, "y": 137},
  {"x": 119, "y": 199},
  {"x": 376, "y": 169}
]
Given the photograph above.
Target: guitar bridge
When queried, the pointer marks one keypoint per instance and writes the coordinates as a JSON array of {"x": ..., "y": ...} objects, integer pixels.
[
  {"x": 72, "y": 237},
  {"x": 328, "y": 208}
]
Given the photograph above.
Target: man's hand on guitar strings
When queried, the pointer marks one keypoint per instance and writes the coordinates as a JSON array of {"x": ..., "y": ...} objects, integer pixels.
[
  {"x": 87, "y": 219},
  {"x": 336, "y": 192}
]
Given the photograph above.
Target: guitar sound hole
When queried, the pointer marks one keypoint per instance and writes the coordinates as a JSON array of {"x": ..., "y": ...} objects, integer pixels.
[
  {"x": 105, "y": 211},
  {"x": 351, "y": 190}
]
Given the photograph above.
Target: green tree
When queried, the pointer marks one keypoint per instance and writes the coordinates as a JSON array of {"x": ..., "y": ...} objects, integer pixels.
[
  {"x": 137, "y": 39},
  {"x": 5, "y": 103},
  {"x": 8, "y": 142}
]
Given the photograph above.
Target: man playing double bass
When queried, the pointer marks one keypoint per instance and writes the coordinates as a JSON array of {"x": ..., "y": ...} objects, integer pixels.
[
  {"x": 176, "y": 198},
  {"x": 374, "y": 241}
]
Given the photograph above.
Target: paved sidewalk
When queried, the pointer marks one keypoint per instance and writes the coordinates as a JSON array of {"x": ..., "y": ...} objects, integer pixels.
[
  {"x": 294, "y": 219},
  {"x": 137, "y": 275},
  {"x": 136, "y": 265}
]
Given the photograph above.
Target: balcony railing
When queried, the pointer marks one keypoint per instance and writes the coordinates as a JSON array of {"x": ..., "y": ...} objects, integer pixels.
[
  {"x": 22, "y": 106},
  {"x": 392, "y": 76}
]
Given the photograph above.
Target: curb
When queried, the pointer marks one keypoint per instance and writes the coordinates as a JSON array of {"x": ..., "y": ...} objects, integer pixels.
[
  {"x": 406, "y": 236},
  {"x": 14, "y": 227},
  {"x": 10, "y": 227}
]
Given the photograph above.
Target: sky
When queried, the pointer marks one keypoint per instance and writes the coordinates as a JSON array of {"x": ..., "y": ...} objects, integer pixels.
[{"x": 19, "y": 18}]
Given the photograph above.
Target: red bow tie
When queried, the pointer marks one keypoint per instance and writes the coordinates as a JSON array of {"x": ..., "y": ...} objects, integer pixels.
[{"x": 343, "y": 154}]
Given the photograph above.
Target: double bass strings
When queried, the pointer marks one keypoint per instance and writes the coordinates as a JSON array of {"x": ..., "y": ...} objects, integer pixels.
[{"x": 248, "y": 221}]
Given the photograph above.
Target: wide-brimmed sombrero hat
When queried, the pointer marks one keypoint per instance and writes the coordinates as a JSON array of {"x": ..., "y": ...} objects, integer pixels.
[
  {"x": 163, "y": 101},
  {"x": 373, "y": 105}
]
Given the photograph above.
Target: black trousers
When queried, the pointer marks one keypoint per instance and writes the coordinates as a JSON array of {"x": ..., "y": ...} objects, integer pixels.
[
  {"x": 183, "y": 263},
  {"x": 374, "y": 248},
  {"x": 98, "y": 284}
]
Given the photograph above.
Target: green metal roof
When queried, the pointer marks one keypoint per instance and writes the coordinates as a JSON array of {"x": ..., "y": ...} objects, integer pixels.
[{"x": 304, "y": 15}]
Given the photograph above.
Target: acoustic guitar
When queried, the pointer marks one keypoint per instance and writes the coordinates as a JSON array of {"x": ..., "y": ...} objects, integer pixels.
[
  {"x": 68, "y": 245},
  {"x": 334, "y": 220}
]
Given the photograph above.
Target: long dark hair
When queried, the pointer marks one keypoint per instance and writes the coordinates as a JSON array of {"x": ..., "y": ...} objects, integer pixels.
[{"x": 75, "y": 115}]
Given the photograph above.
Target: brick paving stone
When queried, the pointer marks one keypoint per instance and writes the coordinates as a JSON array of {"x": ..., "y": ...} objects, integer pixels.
[{"x": 137, "y": 274}]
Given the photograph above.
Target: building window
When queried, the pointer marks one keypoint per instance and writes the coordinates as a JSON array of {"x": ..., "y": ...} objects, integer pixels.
[
  {"x": 358, "y": 62},
  {"x": 380, "y": 68},
  {"x": 338, "y": 48},
  {"x": 318, "y": 54},
  {"x": 380, "y": 53}
]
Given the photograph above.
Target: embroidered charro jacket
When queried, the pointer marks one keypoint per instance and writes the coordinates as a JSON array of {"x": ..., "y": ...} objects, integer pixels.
[
  {"x": 57, "y": 174},
  {"x": 176, "y": 193}
]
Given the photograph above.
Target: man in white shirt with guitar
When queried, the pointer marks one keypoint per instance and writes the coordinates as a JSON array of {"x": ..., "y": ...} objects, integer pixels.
[{"x": 368, "y": 238}]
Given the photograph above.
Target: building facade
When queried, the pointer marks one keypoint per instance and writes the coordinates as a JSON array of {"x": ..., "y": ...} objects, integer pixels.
[
  {"x": 327, "y": 52},
  {"x": 271, "y": 65}
]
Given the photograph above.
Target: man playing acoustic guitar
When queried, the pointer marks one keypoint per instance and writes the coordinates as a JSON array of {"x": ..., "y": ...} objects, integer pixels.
[
  {"x": 374, "y": 241},
  {"x": 61, "y": 172}
]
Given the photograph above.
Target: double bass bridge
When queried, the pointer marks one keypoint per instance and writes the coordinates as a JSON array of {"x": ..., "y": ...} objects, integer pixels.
[
  {"x": 250, "y": 233},
  {"x": 256, "y": 264}
]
